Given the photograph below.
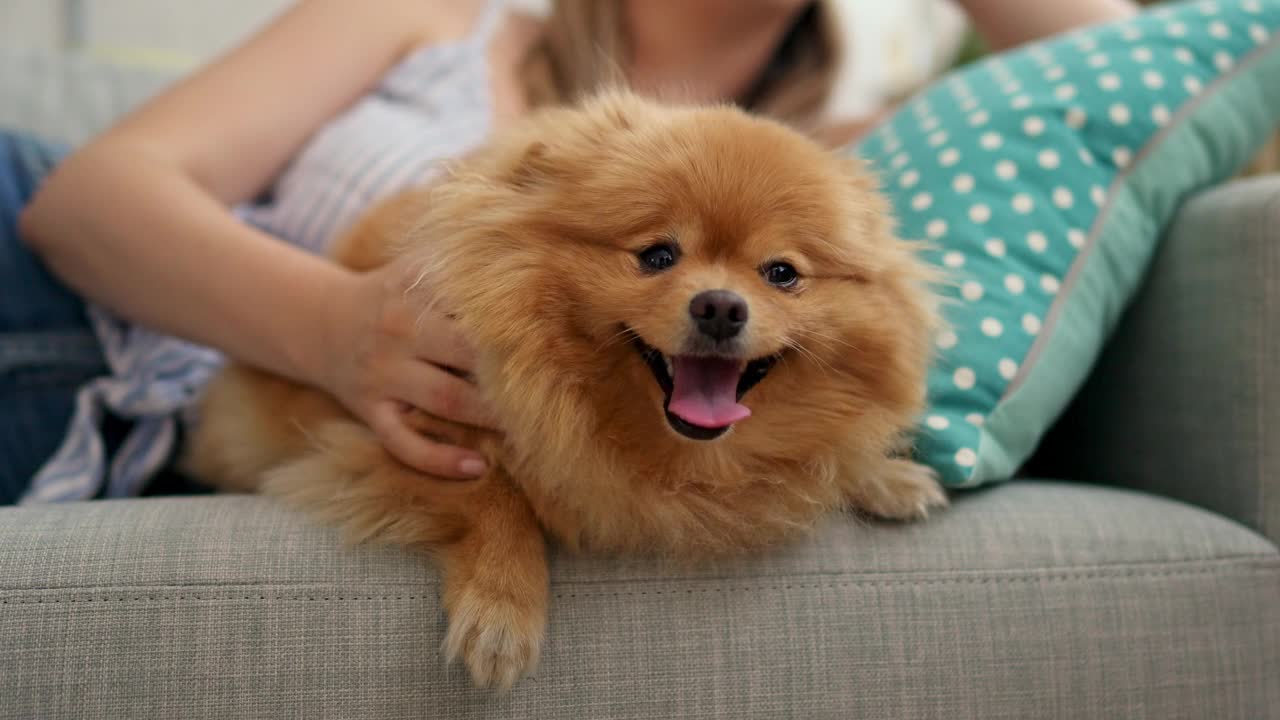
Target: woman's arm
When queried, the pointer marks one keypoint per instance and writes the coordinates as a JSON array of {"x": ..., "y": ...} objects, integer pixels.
[
  {"x": 138, "y": 220},
  {"x": 1006, "y": 23}
]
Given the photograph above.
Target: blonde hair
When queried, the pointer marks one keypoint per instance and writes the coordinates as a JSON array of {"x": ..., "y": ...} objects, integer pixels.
[{"x": 584, "y": 48}]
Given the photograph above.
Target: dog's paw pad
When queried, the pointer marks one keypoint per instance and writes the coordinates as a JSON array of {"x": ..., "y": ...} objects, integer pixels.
[
  {"x": 497, "y": 639},
  {"x": 904, "y": 491}
]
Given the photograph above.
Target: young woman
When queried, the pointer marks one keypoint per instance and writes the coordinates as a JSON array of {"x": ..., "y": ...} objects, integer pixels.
[{"x": 201, "y": 215}]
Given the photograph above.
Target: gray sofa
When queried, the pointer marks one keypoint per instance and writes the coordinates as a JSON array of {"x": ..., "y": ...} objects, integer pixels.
[{"x": 1142, "y": 582}]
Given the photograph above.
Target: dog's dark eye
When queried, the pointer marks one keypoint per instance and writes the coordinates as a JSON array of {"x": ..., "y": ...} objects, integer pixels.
[
  {"x": 780, "y": 274},
  {"x": 657, "y": 258}
]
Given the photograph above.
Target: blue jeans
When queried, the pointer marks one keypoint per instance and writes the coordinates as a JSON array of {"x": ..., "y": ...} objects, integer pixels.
[{"x": 47, "y": 348}]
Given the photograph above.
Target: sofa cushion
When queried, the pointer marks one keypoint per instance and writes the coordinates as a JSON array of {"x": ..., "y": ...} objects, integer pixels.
[
  {"x": 1042, "y": 178},
  {"x": 1026, "y": 600}
]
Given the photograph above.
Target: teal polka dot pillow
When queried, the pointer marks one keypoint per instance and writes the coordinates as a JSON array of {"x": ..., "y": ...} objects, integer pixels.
[{"x": 1041, "y": 180}]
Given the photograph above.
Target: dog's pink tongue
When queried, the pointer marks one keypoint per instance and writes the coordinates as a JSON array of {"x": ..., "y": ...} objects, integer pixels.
[{"x": 705, "y": 391}]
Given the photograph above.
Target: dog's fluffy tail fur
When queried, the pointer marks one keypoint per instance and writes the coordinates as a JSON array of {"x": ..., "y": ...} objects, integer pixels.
[{"x": 349, "y": 481}]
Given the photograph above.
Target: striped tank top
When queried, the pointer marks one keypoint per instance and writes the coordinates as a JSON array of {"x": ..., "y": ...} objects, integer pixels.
[{"x": 434, "y": 105}]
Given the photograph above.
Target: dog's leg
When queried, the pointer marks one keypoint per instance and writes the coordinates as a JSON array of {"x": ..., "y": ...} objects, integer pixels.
[
  {"x": 483, "y": 532},
  {"x": 895, "y": 489},
  {"x": 496, "y": 590}
]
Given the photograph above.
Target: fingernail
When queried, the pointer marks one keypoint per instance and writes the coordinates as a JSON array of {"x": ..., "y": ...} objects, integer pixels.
[{"x": 472, "y": 466}]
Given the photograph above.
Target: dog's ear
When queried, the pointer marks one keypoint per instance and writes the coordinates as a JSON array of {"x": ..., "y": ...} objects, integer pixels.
[{"x": 534, "y": 167}]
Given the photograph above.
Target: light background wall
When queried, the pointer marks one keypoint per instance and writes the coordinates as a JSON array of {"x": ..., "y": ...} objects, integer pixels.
[{"x": 894, "y": 44}]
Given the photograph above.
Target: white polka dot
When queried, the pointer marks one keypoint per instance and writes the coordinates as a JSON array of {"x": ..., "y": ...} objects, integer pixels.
[
  {"x": 1251, "y": 6},
  {"x": 945, "y": 340},
  {"x": 1063, "y": 198},
  {"x": 1014, "y": 284},
  {"x": 979, "y": 213},
  {"x": 899, "y": 160},
  {"x": 964, "y": 378},
  {"x": 936, "y": 228},
  {"x": 1055, "y": 73},
  {"x": 1023, "y": 203},
  {"x": 1098, "y": 60},
  {"x": 1011, "y": 87},
  {"x": 963, "y": 183},
  {"x": 937, "y": 422},
  {"x": 1087, "y": 44},
  {"x": 1176, "y": 29},
  {"x": 1085, "y": 156},
  {"x": 1006, "y": 170},
  {"x": 1076, "y": 118},
  {"x": 969, "y": 104},
  {"x": 1008, "y": 368},
  {"x": 1184, "y": 56},
  {"x": 1033, "y": 126},
  {"x": 1031, "y": 324},
  {"x": 1192, "y": 84},
  {"x": 1076, "y": 238},
  {"x": 1049, "y": 159},
  {"x": 974, "y": 419},
  {"x": 991, "y": 140},
  {"x": 949, "y": 157},
  {"x": 1109, "y": 81},
  {"x": 1223, "y": 61},
  {"x": 1119, "y": 114},
  {"x": 938, "y": 138},
  {"x": 953, "y": 259},
  {"x": 1160, "y": 115},
  {"x": 966, "y": 457},
  {"x": 929, "y": 124},
  {"x": 1141, "y": 54},
  {"x": 971, "y": 291},
  {"x": 995, "y": 247},
  {"x": 1065, "y": 92},
  {"x": 1219, "y": 29},
  {"x": 1037, "y": 241},
  {"x": 1208, "y": 8},
  {"x": 1121, "y": 156},
  {"x": 979, "y": 118},
  {"x": 1098, "y": 195},
  {"x": 1258, "y": 33},
  {"x": 991, "y": 327},
  {"x": 909, "y": 179},
  {"x": 1153, "y": 79},
  {"x": 922, "y": 201},
  {"x": 1131, "y": 33},
  {"x": 1049, "y": 284},
  {"x": 1021, "y": 102}
]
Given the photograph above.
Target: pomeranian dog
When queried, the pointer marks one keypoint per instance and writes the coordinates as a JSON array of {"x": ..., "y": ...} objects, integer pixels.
[{"x": 698, "y": 331}]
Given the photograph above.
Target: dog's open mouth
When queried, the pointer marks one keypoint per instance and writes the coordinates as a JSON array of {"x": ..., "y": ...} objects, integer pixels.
[{"x": 702, "y": 394}]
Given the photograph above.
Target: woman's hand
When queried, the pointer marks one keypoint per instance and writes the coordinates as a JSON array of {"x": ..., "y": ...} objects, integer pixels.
[{"x": 384, "y": 355}]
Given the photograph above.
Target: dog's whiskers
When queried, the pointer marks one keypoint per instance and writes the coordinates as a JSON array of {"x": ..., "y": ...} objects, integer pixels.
[
  {"x": 625, "y": 332},
  {"x": 806, "y": 352},
  {"x": 829, "y": 338}
]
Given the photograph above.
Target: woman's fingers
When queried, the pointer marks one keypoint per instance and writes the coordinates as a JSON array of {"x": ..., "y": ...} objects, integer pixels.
[
  {"x": 421, "y": 453},
  {"x": 437, "y": 340},
  {"x": 442, "y": 394}
]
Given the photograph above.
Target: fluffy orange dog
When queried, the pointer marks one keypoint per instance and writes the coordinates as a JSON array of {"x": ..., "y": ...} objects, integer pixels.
[{"x": 696, "y": 327}]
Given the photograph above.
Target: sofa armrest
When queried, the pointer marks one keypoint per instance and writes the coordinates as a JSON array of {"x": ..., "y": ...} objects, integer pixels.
[
  {"x": 1185, "y": 401},
  {"x": 69, "y": 97}
]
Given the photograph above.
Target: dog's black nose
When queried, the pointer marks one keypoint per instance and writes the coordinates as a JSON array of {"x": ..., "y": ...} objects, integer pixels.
[{"x": 719, "y": 314}]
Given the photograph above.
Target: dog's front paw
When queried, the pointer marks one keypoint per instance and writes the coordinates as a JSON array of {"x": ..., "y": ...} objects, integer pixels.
[
  {"x": 496, "y": 635},
  {"x": 900, "y": 490}
]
